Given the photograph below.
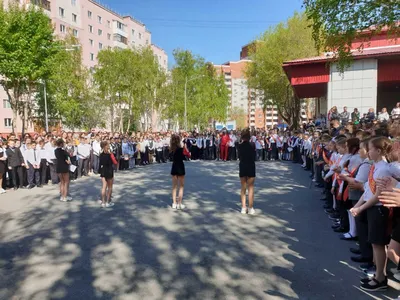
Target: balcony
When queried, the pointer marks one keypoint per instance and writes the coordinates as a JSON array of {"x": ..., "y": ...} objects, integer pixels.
[
  {"x": 120, "y": 39},
  {"x": 42, "y": 3}
]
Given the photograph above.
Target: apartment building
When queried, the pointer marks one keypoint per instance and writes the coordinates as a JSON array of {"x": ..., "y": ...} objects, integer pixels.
[{"x": 97, "y": 27}]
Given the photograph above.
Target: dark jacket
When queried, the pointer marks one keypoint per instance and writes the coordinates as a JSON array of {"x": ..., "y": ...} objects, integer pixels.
[{"x": 14, "y": 157}]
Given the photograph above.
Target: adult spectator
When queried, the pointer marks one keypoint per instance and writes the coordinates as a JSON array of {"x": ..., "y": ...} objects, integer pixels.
[
  {"x": 370, "y": 115},
  {"x": 383, "y": 115},
  {"x": 336, "y": 127},
  {"x": 345, "y": 116},
  {"x": 355, "y": 116},
  {"x": 396, "y": 111},
  {"x": 333, "y": 113}
]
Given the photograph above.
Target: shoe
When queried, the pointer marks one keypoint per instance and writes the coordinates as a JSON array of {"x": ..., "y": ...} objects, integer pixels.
[
  {"x": 62, "y": 199},
  {"x": 182, "y": 206},
  {"x": 174, "y": 206},
  {"x": 110, "y": 204},
  {"x": 30, "y": 187},
  {"x": 326, "y": 206},
  {"x": 15, "y": 188},
  {"x": 22, "y": 187},
  {"x": 348, "y": 237},
  {"x": 329, "y": 211},
  {"x": 340, "y": 230},
  {"x": 375, "y": 286},
  {"x": 396, "y": 273},
  {"x": 68, "y": 198},
  {"x": 355, "y": 251},
  {"x": 366, "y": 279},
  {"x": 252, "y": 211},
  {"x": 2, "y": 191},
  {"x": 335, "y": 226},
  {"x": 370, "y": 272},
  {"x": 360, "y": 259},
  {"x": 244, "y": 210},
  {"x": 334, "y": 216},
  {"x": 102, "y": 205},
  {"x": 39, "y": 186}
]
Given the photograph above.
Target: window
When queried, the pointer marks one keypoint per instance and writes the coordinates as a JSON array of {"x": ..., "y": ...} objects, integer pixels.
[
  {"x": 120, "y": 26},
  {"x": 100, "y": 46},
  {"x": 133, "y": 32},
  {"x": 108, "y": 24},
  {"x": 74, "y": 18},
  {"x": 7, "y": 123},
  {"x": 120, "y": 38},
  {"x": 109, "y": 36},
  {"x": 140, "y": 36},
  {"x": 99, "y": 19},
  {"x": 75, "y": 32},
  {"x": 89, "y": 14},
  {"x": 73, "y": 2},
  {"x": 91, "y": 56},
  {"x": 61, "y": 12},
  {"x": 100, "y": 32},
  {"x": 91, "y": 42},
  {"x": 90, "y": 28},
  {"x": 62, "y": 28},
  {"x": 6, "y": 103},
  {"x": 147, "y": 42}
]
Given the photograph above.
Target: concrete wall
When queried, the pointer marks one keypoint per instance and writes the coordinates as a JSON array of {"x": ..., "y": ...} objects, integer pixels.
[{"x": 356, "y": 88}]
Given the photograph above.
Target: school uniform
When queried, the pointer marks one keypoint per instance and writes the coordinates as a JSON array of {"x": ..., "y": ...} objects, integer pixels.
[
  {"x": 15, "y": 161},
  {"x": 32, "y": 160},
  {"x": 232, "y": 149},
  {"x": 96, "y": 154},
  {"x": 83, "y": 154},
  {"x": 44, "y": 168}
]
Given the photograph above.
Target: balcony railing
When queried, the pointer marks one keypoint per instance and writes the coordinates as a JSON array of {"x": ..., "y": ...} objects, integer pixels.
[{"x": 45, "y": 4}]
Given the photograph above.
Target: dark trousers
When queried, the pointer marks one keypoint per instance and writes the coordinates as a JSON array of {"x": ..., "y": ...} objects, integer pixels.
[
  {"x": 362, "y": 232},
  {"x": 83, "y": 167},
  {"x": 74, "y": 175},
  {"x": 17, "y": 176},
  {"x": 267, "y": 154},
  {"x": 33, "y": 175},
  {"x": 96, "y": 162},
  {"x": 53, "y": 172},
  {"x": 328, "y": 194},
  {"x": 232, "y": 153},
  {"x": 43, "y": 171},
  {"x": 159, "y": 156},
  {"x": 274, "y": 151},
  {"x": 296, "y": 154}
]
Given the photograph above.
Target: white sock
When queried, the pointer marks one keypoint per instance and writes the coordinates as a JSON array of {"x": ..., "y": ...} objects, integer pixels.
[{"x": 352, "y": 222}]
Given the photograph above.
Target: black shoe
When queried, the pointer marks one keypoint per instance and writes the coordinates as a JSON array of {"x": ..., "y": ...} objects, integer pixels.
[
  {"x": 340, "y": 230},
  {"x": 30, "y": 187},
  {"x": 351, "y": 238},
  {"x": 39, "y": 186},
  {"x": 15, "y": 188},
  {"x": 360, "y": 259},
  {"x": 335, "y": 226},
  {"x": 366, "y": 280},
  {"x": 334, "y": 215},
  {"x": 22, "y": 187},
  {"x": 329, "y": 211},
  {"x": 355, "y": 251},
  {"x": 376, "y": 286}
]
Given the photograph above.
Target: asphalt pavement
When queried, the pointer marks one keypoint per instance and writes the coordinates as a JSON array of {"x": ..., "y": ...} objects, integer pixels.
[{"x": 142, "y": 249}]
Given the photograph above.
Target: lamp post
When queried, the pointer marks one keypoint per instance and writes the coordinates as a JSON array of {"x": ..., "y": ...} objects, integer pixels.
[{"x": 186, "y": 82}]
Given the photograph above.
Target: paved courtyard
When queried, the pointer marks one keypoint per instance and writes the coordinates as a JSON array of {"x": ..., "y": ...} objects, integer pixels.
[{"x": 142, "y": 249}]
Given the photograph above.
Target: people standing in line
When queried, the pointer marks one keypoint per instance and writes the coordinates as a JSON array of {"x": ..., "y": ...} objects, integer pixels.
[
  {"x": 224, "y": 146},
  {"x": 178, "y": 173},
  {"x": 62, "y": 168},
  {"x": 247, "y": 171},
  {"x": 107, "y": 163}
]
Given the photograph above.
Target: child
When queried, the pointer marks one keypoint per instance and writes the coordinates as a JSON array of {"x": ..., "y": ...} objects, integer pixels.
[
  {"x": 62, "y": 168},
  {"x": 15, "y": 164},
  {"x": 247, "y": 171},
  {"x": 107, "y": 162},
  {"x": 32, "y": 162},
  {"x": 177, "y": 170}
]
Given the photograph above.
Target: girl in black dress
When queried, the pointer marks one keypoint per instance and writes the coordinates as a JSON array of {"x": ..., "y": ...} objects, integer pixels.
[
  {"x": 107, "y": 162},
  {"x": 247, "y": 171},
  {"x": 62, "y": 169},
  {"x": 178, "y": 170}
]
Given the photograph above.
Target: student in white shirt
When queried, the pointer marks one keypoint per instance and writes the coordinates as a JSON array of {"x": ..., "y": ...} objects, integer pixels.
[
  {"x": 84, "y": 149},
  {"x": 232, "y": 146},
  {"x": 96, "y": 153},
  {"x": 377, "y": 215},
  {"x": 32, "y": 161},
  {"x": 51, "y": 160}
]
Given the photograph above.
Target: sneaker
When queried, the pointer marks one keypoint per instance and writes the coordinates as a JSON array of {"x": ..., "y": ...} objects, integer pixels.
[
  {"x": 174, "y": 206},
  {"x": 366, "y": 279},
  {"x": 181, "y": 206},
  {"x": 371, "y": 272},
  {"x": 252, "y": 211},
  {"x": 375, "y": 286},
  {"x": 2, "y": 191},
  {"x": 111, "y": 204},
  {"x": 244, "y": 210},
  {"x": 62, "y": 199},
  {"x": 103, "y": 205},
  {"x": 68, "y": 198}
]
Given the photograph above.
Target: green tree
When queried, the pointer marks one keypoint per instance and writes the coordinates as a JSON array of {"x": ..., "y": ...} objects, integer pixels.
[
  {"x": 207, "y": 96},
  {"x": 337, "y": 23},
  {"x": 240, "y": 116},
  {"x": 26, "y": 48},
  {"x": 284, "y": 42}
]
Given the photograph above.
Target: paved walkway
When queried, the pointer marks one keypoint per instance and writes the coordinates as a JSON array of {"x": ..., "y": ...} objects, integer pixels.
[{"x": 142, "y": 249}]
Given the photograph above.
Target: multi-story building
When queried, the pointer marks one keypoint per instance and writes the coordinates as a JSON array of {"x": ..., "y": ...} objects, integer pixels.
[
  {"x": 246, "y": 99},
  {"x": 96, "y": 27}
]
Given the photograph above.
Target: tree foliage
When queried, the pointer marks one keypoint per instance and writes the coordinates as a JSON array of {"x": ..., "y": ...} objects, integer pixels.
[
  {"x": 284, "y": 42},
  {"x": 207, "y": 94},
  {"x": 239, "y": 115},
  {"x": 26, "y": 48},
  {"x": 337, "y": 23},
  {"x": 128, "y": 80}
]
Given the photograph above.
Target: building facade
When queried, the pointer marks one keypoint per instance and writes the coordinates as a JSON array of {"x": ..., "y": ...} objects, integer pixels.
[
  {"x": 96, "y": 27},
  {"x": 372, "y": 80}
]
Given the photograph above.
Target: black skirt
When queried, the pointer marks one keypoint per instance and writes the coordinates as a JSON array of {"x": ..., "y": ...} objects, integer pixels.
[
  {"x": 107, "y": 172},
  {"x": 247, "y": 170},
  {"x": 178, "y": 169}
]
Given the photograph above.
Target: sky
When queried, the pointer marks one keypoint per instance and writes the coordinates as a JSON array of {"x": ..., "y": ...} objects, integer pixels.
[{"x": 213, "y": 29}]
